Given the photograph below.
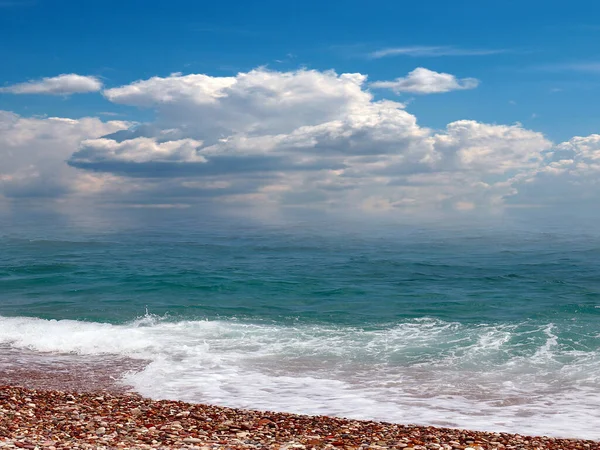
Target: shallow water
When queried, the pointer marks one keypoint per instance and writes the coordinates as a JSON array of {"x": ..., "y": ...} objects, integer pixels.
[{"x": 494, "y": 330}]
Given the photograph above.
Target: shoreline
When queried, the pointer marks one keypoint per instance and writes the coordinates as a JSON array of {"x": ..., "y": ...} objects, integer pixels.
[{"x": 53, "y": 419}]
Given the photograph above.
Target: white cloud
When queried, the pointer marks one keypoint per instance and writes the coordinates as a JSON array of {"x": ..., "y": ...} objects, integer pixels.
[
  {"x": 140, "y": 150},
  {"x": 302, "y": 138},
  {"x": 199, "y": 89},
  {"x": 262, "y": 121},
  {"x": 496, "y": 149},
  {"x": 64, "y": 84},
  {"x": 259, "y": 101},
  {"x": 432, "y": 51},
  {"x": 33, "y": 153},
  {"x": 568, "y": 177},
  {"x": 307, "y": 137},
  {"x": 425, "y": 81},
  {"x": 468, "y": 163}
]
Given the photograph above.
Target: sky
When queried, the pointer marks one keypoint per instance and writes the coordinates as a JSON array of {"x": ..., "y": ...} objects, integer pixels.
[{"x": 382, "y": 107}]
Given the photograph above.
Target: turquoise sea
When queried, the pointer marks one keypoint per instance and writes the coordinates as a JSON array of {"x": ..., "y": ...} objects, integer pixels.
[{"x": 495, "y": 329}]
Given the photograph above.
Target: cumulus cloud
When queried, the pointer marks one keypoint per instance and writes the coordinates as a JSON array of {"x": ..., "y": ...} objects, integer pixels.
[
  {"x": 259, "y": 101},
  {"x": 300, "y": 138},
  {"x": 33, "y": 153},
  {"x": 307, "y": 137},
  {"x": 195, "y": 88},
  {"x": 425, "y": 81},
  {"x": 263, "y": 121},
  {"x": 140, "y": 150},
  {"x": 569, "y": 175},
  {"x": 64, "y": 84},
  {"x": 496, "y": 149}
]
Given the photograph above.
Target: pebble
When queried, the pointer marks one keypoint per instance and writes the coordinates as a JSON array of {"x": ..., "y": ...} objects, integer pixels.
[{"x": 104, "y": 420}]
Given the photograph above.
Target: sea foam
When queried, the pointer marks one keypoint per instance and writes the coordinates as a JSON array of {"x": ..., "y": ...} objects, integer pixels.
[{"x": 522, "y": 378}]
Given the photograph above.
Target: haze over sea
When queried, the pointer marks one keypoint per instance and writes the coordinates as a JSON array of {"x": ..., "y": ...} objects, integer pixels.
[{"x": 475, "y": 327}]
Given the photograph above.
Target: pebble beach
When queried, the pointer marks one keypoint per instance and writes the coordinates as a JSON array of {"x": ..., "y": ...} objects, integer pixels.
[
  {"x": 53, "y": 419},
  {"x": 306, "y": 225}
]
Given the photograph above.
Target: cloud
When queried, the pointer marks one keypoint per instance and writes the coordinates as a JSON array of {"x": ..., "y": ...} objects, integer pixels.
[
  {"x": 425, "y": 81},
  {"x": 260, "y": 121},
  {"x": 260, "y": 101},
  {"x": 195, "y": 89},
  {"x": 491, "y": 149},
  {"x": 306, "y": 138},
  {"x": 140, "y": 150},
  {"x": 431, "y": 51},
  {"x": 33, "y": 153},
  {"x": 299, "y": 139},
  {"x": 569, "y": 175},
  {"x": 592, "y": 67},
  {"x": 64, "y": 84}
]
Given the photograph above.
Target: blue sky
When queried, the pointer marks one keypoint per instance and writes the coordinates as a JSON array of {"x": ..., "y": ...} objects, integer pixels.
[
  {"x": 536, "y": 63},
  {"x": 548, "y": 64}
]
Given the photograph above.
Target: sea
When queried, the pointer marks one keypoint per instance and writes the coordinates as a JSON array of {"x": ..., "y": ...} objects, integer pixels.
[{"x": 483, "y": 327}]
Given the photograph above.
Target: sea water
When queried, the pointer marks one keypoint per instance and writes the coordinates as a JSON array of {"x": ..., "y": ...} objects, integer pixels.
[{"x": 492, "y": 329}]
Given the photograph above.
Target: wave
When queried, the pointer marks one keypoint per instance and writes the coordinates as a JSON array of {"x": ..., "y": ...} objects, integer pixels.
[{"x": 529, "y": 378}]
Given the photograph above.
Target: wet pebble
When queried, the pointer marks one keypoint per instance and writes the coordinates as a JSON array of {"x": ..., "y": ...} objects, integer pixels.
[{"x": 127, "y": 421}]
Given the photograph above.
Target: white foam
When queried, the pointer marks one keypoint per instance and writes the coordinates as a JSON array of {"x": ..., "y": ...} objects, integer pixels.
[{"x": 422, "y": 371}]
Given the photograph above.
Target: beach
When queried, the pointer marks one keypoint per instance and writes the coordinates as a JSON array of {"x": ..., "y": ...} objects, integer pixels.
[
  {"x": 486, "y": 332},
  {"x": 43, "y": 419}
]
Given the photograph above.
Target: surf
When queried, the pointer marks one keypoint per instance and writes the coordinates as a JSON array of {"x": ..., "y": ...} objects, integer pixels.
[{"x": 423, "y": 371}]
